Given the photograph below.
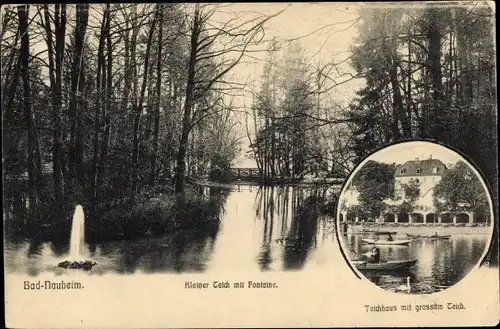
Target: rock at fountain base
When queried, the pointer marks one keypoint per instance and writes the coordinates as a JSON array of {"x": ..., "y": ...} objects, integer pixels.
[{"x": 84, "y": 265}]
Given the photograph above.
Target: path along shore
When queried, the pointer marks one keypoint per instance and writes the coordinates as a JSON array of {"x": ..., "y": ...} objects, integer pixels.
[{"x": 442, "y": 229}]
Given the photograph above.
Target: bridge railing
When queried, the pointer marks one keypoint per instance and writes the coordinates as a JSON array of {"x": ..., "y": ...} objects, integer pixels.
[
  {"x": 245, "y": 172},
  {"x": 255, "y": 173}
]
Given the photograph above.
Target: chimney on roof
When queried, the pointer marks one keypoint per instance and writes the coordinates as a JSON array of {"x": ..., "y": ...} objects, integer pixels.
[{"x": 430, "y": 156}]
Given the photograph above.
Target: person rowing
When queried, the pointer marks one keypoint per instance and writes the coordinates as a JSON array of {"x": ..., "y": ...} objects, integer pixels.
[
  {"x": 390, "y": 237},
  {"x": 372, "y": 256},
  {"x": 376, "y": 255}
]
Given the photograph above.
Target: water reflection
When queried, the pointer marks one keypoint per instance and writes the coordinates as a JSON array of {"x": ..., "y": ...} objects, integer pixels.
[
  {"x": 291, "y": 216},
  {"x": 264, "y": 229},
  {"x": 441, "y": 263}
]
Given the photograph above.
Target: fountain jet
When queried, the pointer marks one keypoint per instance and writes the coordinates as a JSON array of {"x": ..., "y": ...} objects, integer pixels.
[
  {"x": 77, "y": 233},
  {"x": 77, "y": 242}
]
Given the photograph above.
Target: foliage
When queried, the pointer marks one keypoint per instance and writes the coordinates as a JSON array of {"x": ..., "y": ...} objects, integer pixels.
[
  {"x": 289, "y": 143},
  {"x": 374, "y": 183},
  {"x": 461, "y": 190},
  {"x": 411, "y": 193},
  {"x": 99, "y": 114},
  {"x": 360, "y": 211},
  {"x": 429, "y": 73}
]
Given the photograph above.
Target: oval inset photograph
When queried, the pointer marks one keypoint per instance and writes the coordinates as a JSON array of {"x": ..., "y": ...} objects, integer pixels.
[{"x": 415, "y": 218}]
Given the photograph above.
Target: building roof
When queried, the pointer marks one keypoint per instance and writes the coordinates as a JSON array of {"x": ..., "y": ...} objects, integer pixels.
[{"x": 417, "y": 167}]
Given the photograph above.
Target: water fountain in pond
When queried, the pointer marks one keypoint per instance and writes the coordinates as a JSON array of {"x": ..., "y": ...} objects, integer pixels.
[{"x": 77, "y": 243}]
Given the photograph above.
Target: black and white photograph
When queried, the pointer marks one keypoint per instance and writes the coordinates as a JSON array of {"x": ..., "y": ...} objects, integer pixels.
[
  {"x": 412, "y": 222},
  {"x": 187, "y": 147}
]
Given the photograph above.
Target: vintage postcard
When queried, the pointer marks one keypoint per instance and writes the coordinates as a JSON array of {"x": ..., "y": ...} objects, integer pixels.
[{"x": 199, "y": 165}]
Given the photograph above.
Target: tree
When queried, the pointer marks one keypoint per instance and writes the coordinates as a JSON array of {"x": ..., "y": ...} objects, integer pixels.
[
  {"x": 205, "y": 74},
  {"x": 411, "y": 193},
  {"x": 460, "y": 189},
  {"x": 288, "y": 142},
  {"x": 443, "y": 57},
  {"x": 374, "y": 183},
  {"x": 104, "y": 80},
  {"x": 56, "y": 51},
  {"x": 156, "y": 132},
  {"x": 33, "y": 160},
  {"x": 138, "y": 107},
  {"x": 82, "y": 16}
]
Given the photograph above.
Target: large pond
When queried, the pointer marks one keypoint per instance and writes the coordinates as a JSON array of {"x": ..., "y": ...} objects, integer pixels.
[
  {"x": 260, "y": 229},
  {"x": 440, "y": 263}
]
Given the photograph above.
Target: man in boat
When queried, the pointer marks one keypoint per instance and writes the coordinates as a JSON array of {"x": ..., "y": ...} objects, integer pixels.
[
  {"x": 390, "y": 237},
  {"x": 376, "y": 255},
  {"x": 345, "y": 227},
  {"x": 372, "y": 256}
]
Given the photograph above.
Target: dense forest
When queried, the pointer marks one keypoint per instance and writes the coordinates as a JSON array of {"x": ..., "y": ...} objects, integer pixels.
[
  {"x": 109, "y": 105},
  {"x": 428, "y": 73}
]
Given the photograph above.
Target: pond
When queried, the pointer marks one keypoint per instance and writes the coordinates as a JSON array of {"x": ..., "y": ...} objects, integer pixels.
[
  {"x": 440, "y": 263},
  {"x": 259, "y": 229}
]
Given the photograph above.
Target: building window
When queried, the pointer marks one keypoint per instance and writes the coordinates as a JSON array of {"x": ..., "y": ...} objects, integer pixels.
[
  {"x": 403, "y": 170},
  {"x": 435, "y": 170},
  {"x": 419, "y": 170}
]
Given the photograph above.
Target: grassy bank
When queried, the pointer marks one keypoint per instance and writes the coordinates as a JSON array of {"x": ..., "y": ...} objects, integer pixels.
[
  {"x": 159, "y": 215},
  {"x": 119, "y": 219}
]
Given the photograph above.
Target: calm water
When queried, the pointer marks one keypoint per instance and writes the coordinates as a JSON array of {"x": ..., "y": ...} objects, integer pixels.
[
  {"x": 259, "y": 230},
  {"x": 441, "y": 263}
]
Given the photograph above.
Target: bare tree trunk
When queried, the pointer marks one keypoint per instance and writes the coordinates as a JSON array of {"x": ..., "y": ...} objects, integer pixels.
[
  {"x": 107, "y": 97},
  {"x": 82, "y": 15},
  {"x": 258, "y": 158},
  {"x": 465, "y": 81},
  {"x": 55, "y": 73},
  {"x": 409, "y": 101},
  {"x": 127, "y": 70},
  {"x": 397, "y": 107},
  {"x": 138, "y": 110},
  {"x": 171, "y": 108},
  {"x": 97, "y": 111},
  {"x": 254, "y": 150},
  {"x": 186, "y": 122},
  {"x": 58, "y": 144},
  {"x": 33, "y": 158},
  {"x": 8, "y": 99},
  {"x": 156, "y": 131},
  {"x": 149, "y": 107},
  {"x": 437, "y": 120},
  {"x": 266, "y": 145},
  {"x": 80, "y": 127}
]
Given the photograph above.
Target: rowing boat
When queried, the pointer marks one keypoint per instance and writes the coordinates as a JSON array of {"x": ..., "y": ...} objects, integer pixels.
[
  {"x": 429, "y": 237},
  {"x": 438, "y": 237},
  {"x": 390, "y": 265},
  {"x": 382, "y": 232},
  {"x": 386, "y": 242},
  {"x": 365, "y": 231}
]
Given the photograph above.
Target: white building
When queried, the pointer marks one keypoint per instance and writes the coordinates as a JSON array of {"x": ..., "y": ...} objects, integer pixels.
[{"x": 426, "y": 173}]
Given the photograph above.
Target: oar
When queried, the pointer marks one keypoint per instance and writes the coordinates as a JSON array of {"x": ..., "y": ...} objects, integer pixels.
[
  {"x": 354, "y": 252},
  {"x": 357, "y": 255}
]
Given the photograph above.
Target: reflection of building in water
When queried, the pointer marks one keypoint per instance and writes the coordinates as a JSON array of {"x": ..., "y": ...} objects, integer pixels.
[{"x": 425, "y": 174}]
